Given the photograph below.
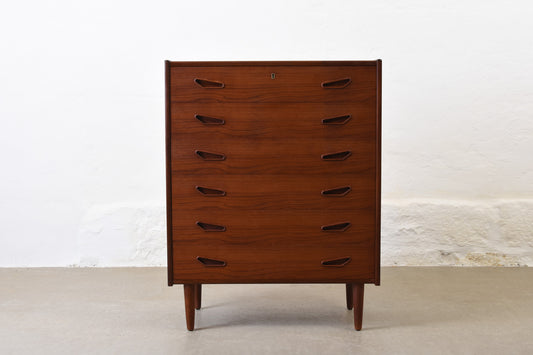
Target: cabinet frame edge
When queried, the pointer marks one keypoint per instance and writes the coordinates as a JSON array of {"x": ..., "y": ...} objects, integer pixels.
[
  {"x": 378, "y": 175},
  {"x": 170, "y": 267}
]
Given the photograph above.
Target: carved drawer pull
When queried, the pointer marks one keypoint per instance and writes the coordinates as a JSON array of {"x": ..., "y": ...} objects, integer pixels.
[
  {"x": 336, "y": 84},
  {"x": 209, "y": 156},
  {"x": 209, "y": 84},
  {"x": 209, "y": 120},
  {"x": 210, "y": 192},
  {"x": 336, "y": 120},
  {"x": 336, "y": 262},
  {"x": 338, "y": 227},
  {"x": 211, "y": 262},
  {"x": 210, "y": 227},
  {"x": 336, "y": 156},
  {"x": 337, "y": 192}
]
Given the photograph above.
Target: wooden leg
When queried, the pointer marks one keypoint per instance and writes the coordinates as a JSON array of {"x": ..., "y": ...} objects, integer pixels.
[
  {"x": 349, "y": 296},
  {"x": 198, "y": 296},
  {"x": 188, "y": 290},
  {"x": 358, "y": 295}
]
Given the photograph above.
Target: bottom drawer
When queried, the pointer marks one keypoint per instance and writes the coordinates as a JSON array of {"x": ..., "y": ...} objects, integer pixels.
[{"x": 275, "y": 259}]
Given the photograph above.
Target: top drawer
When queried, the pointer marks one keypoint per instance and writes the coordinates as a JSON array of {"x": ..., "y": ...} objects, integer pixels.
[{"x": 272, "y": 83}]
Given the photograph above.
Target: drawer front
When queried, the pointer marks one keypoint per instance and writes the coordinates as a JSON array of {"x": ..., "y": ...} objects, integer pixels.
[
  {"x": 272, "y": 84},
  {"x": 249, "y": 155},
  {"x": 295, "y": 120},
  {"x": 286, "y": 192},
  {"x": 234, "y": 225},
  {"x": 273, "y": 259}
]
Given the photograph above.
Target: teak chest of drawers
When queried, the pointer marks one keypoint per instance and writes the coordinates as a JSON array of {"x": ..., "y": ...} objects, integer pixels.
[{"x": 273, "y": 175}]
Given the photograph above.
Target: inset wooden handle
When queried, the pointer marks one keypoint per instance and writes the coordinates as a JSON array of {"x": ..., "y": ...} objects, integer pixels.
[
  {"x": 336, "y": 156},
  {"x": 209, "y": 156},
  {"x": 336, "y": 262},
  {"x": 209, "y": 120},
  {"x": 209, "y": 84},
  {"x": 211, "y": 262},
  {"x": 336, "y": 192},
  {"x": 336, "y": 120},
  {"x": 338, "y": 227},
  {"x": 210, "y": 192},
  {"x": 336, "y": 84},
  {"x": 210, "y": 227}
]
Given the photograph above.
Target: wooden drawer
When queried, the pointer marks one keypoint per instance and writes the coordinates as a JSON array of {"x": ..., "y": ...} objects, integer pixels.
[
  {"x": 255, "y": 84},
  {"x": 250, "y": 155},
  {"x": 269, "y": 120},
  {"x": 274, "y": 258},
  {"x": 234, "y": 225},
  {"x": 289, "y": 192}
]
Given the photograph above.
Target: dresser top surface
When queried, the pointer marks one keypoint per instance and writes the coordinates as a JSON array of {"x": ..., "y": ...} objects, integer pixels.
[{"x": 273, "y": 63}]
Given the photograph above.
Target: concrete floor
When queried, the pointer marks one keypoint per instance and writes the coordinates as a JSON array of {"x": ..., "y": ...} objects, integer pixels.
[{"x": 132, "y": 311}]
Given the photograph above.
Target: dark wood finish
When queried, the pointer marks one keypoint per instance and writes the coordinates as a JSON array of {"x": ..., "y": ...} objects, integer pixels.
[
  {"x": 250, "y": 225},
  {"x": 336, "y": 156},
  {"x": 370, "y": 63},
  {"x": 337, "y": 227},
  {"x": 208, "y": 262},
  {"x": 349, "y": 296},
  {"x": 210, "y": 227},
  {"x": 210, "y": 84},
  {"x": 189, "y": 295},
  {"x": 254, "y": 84},
  {"x": 168, "y": 130},
  {"x": 358, "y": 290},
  {"x": 272, "y": 121},
  {"x": 274, "y": 258},
  {"x": 207, "y": 120},
  {"x": 377, "y": 245},
  {"x": 269, "y": 156},
  {"x": 336, "y": 120},
  {"x": 273, "y": 174},
  {"x": 336, "y": 84},
  {"x": 209, "y": 155},
  {"x": 290, "y": 192},
  {"x": 198, "y": 296}
]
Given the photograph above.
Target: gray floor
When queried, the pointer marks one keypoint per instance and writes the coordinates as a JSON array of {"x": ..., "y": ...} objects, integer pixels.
[{"x": 132, "y": 311}]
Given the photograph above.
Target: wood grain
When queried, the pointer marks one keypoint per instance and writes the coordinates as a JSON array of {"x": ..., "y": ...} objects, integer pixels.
[
  {"x": 271, "y": 120},
  {"x": 254, "y": 84},
  {"x": 276, "y": 259},
  {"x": 249, "y": 224},
  {"x": 267, "y": 192},
  {"x": 270, "y": 156}
]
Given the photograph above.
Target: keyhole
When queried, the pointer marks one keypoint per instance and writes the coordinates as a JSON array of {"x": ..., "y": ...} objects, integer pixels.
[{"x": 273, "y": 76}]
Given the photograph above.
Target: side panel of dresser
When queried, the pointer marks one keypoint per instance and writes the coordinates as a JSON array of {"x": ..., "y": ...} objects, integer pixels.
[
  {"x": 170, "y": 266},
  {"x": 377, "y": 259}
]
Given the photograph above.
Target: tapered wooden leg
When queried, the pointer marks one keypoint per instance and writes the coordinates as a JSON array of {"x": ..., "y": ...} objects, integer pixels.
[
  {"x": 349, "y": 296},
  {"x": 358, "y": 296},
  {"x": 188, "y": 290},
  {"x": 198, "y": 296}
]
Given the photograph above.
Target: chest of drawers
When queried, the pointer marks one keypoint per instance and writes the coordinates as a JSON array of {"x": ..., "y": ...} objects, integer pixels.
[{"x": 273, "y": 175}]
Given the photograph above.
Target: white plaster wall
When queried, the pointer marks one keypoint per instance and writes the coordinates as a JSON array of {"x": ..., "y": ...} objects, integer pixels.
[{"x": 82, "y": 119}]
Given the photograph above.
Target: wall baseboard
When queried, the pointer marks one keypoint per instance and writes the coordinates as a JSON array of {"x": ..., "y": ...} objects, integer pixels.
[{"x": 432, "y": 232}]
